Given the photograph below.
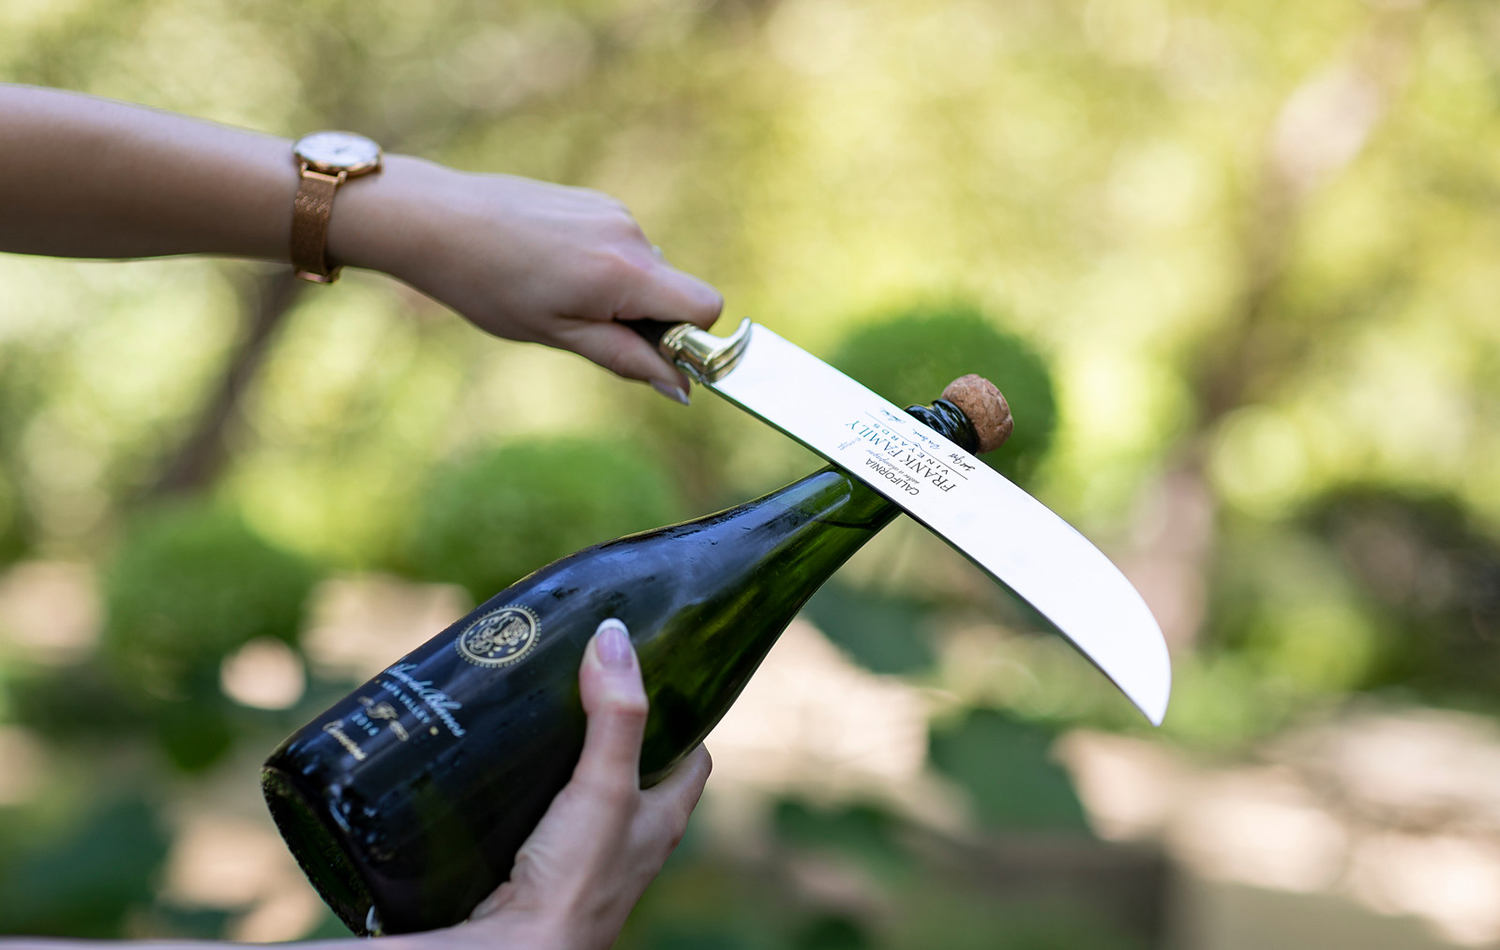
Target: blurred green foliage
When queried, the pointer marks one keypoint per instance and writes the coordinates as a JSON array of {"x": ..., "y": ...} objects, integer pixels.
[
  {"x": 832, "y": 932},
  {"x": 1005, "y": 764},
  {"x": 911, "y": 356},
  {"x": 189, "y": 585},
  {"x": 862, "y": 832},
  {"x": 1431, "y": 579},
  {"x": 86, "y": 882},
  {"x": 953, "y": 922},
  {"x": 884, "y": 633},
  {"x": 490, "y": 519},
  {"x": 892, "y": 893}
]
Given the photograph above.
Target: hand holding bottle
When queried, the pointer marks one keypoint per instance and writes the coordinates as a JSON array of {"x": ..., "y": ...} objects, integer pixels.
[{"x": 604, "y": 839}]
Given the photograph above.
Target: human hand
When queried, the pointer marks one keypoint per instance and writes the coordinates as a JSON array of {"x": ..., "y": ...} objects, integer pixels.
[
  {"x": 603, "y": 840},
  {"x": 524, "y": 260}
]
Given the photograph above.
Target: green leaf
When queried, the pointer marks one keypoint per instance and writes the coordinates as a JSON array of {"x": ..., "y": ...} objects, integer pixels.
[
  {"x": 1005, "y": 764},
  {"x": 884, "y": 634},
  {"x": 863, "y": 832}
]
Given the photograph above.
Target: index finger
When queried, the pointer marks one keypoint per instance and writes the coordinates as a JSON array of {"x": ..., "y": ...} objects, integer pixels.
[{"x": 666, "y": 293}]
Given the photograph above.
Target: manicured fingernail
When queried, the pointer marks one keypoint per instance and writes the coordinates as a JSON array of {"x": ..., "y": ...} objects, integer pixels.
[
  {"x": 612, "y": 643},
  {"x": 673, "y": 393}
]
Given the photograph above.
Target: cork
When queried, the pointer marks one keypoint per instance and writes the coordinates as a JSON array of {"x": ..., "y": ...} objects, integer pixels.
[{"x": 979, "y": 399}]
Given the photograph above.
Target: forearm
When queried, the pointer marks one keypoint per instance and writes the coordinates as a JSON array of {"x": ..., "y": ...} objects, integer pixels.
[{"x": 87, "y": 177}]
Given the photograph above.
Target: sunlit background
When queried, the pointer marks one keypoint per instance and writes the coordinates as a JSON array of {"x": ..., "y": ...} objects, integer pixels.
[{"x": 1236, "y": 263}]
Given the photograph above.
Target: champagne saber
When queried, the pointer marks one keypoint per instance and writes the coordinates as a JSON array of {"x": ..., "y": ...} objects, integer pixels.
[{"x": 1011, "y": 536}]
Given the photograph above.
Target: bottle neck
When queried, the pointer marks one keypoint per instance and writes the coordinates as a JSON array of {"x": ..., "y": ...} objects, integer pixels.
[
  {"x": 831, "y": 497},
  {"x": 947, "y": 420},
  {"x": 749, "y": 572}
]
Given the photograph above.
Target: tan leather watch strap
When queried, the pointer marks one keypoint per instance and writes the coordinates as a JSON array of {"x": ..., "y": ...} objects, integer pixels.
[{"x": 311, "y": 212}]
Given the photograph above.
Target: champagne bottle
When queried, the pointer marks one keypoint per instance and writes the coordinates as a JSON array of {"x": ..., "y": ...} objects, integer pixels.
[{"x": 406, "y": 802}]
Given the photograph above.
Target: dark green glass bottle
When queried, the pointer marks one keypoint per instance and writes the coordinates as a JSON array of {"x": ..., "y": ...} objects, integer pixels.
[{"x": 406, "y": 802}]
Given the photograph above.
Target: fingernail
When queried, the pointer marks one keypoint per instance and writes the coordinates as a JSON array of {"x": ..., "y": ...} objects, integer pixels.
[
  {"x": 612, "y": 643},
  {"x": 674, "y": 393}
]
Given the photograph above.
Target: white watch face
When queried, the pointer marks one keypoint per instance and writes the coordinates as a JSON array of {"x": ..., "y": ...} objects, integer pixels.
[{"x": 338, "y": 151}]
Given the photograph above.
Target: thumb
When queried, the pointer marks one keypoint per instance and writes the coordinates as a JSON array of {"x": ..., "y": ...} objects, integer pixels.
[
  {"x": 590, "y": 821},
  {"x": 615, "y": 701}
]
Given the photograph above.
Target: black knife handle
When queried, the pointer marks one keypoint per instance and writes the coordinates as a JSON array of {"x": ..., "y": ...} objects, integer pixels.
[{"x": 650, "y": 330}]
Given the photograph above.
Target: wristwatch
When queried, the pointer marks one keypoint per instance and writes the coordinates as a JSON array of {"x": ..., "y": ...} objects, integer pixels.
[{"x": 327, "y": 160}]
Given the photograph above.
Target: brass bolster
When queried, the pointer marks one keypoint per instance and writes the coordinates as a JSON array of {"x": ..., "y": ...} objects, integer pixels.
[{"x": 705, "y": 357}]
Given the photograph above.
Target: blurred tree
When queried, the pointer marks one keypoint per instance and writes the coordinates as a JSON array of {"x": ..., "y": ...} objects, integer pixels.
[
  {"x": 188, "y": 586},
  {"x": 205, "y": 450},
  {"x": 490, "y": 519},
  {"x": 911, "y": 356},
  {"x": 1372, "y": 588},
  {"x": 1434, "y": 577}
]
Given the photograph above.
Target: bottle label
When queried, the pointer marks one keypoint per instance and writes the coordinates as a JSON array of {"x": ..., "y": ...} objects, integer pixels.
[
  {"x": 888, "y": 452},
  {"x": 424, "y": 700},
  {"x": 499, "y": 638},
  {"x": 336, "y": 729}
]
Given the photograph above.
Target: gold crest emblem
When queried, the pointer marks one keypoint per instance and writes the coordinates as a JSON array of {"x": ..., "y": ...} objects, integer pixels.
[{"x": 499, "y": 638}]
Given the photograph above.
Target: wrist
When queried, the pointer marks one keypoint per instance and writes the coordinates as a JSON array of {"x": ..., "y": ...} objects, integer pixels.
[{"x": 379, "y": 222}]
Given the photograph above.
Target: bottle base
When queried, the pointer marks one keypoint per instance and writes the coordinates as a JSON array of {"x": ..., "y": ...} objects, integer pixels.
[{"x": 320, "y": 852}]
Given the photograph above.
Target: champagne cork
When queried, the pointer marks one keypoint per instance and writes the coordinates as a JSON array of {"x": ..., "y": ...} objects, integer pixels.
[{"x": 979, "y": 399}]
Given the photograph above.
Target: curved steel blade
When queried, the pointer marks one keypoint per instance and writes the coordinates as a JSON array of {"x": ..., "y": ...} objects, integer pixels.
[{"x": 1013, "y": 537}]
